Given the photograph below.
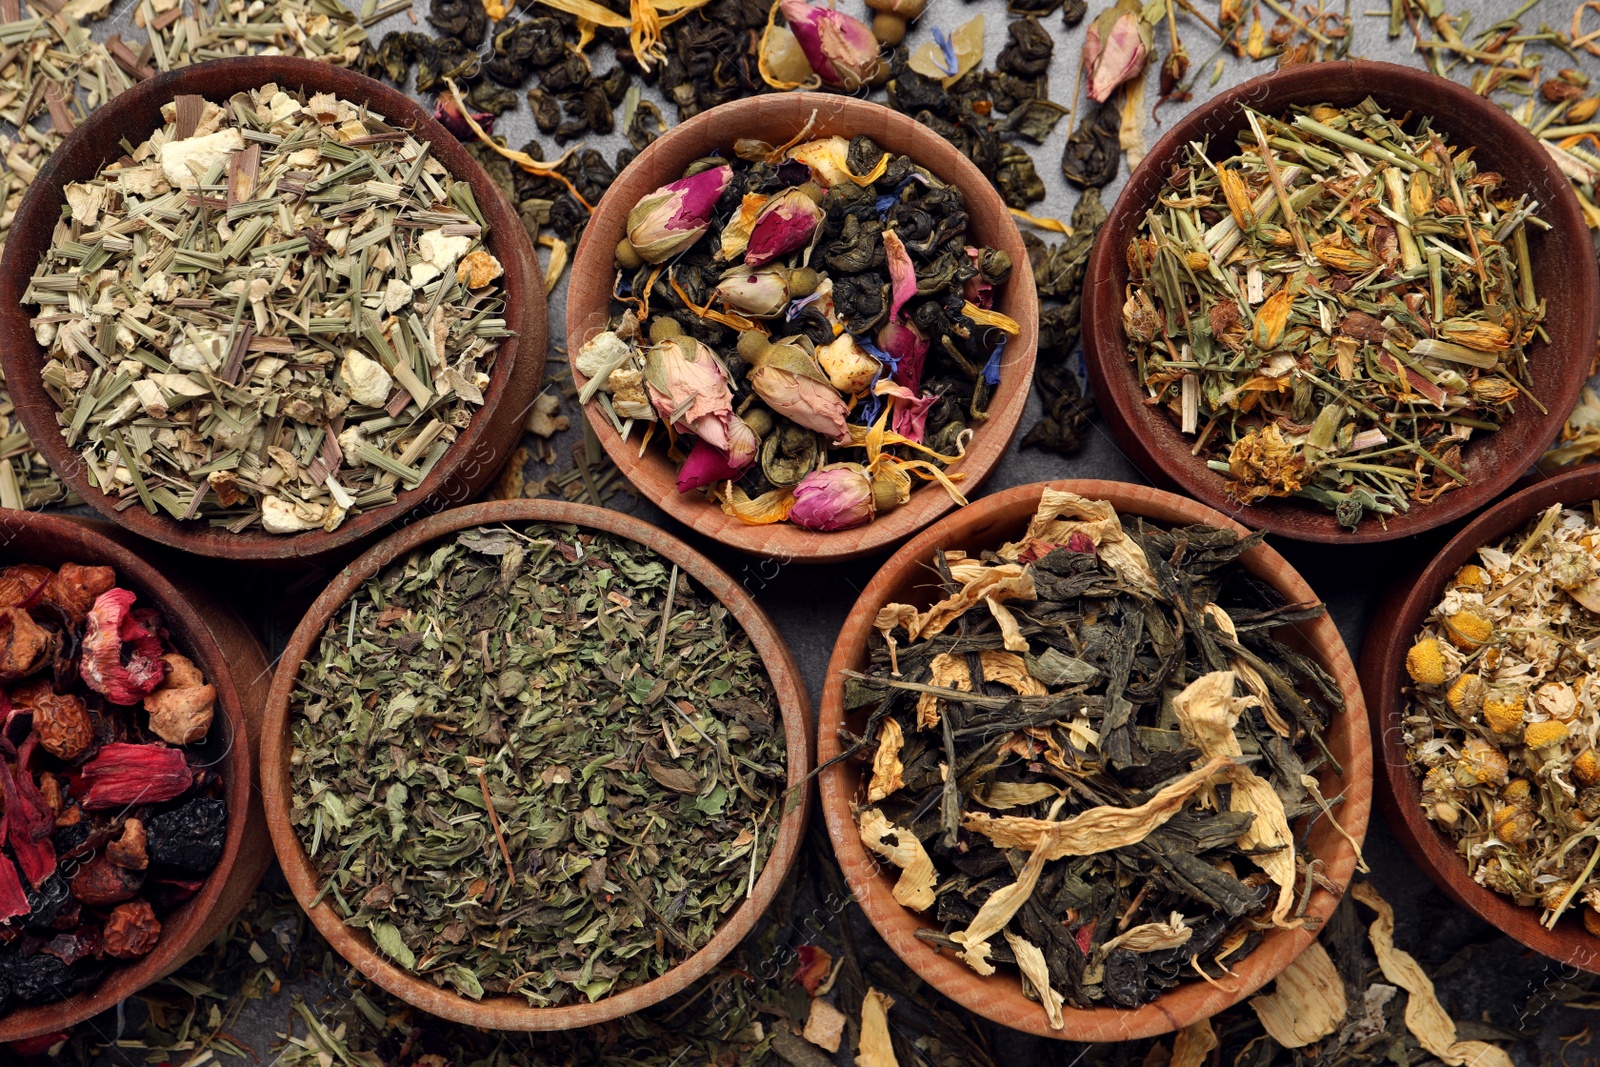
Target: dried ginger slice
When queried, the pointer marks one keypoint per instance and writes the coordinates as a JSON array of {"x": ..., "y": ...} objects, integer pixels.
[
  {"x": 1425, "y": 1016},
  {"x": 1062, "y": 514},
  {"x": 1307, "y": 1003},
  {"x": 1031, "y": 962},
  {"x": 886, "y": 766},
  {"x": 1192, "y": 1044},
  {"x": 875, "y": 1049},
  {"x": 1097, "y": 830},
  {"x": 1207, "y": 711},
  {"x": 914, "y": 889}
]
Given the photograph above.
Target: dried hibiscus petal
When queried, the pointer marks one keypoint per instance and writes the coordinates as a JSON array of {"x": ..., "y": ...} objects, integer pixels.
[
  {"x": 132, "y": 930},
  {"x": 13, "y": 898},
  {"x": 122, "y": 774},
  {"x": 29, "y": 821},
  {"x": 113, "y": 624}
]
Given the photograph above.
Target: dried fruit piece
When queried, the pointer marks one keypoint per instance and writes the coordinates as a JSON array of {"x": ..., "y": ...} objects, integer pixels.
[
  {"x": 63, "y": 725},
  {"x": 1425, "y": 663},
  {"x": 191, "y": 837},
  {"x": 112, "y": 623},
  {"x": 129, "y": 849},
  {"x": 132, "y": 930},
  {"x": 24, "y": 644},
  {"x": 28, "y": 819},
  {"x": 182, "y": 706},
  {"x": 101, "y": 882},
  {"x": 122, "y": 774}
]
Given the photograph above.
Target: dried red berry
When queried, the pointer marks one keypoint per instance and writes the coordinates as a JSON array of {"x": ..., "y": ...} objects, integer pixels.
[
  {"x": 101, "y": 882},
  {"x": 74, "y": 588},
  {"x": 112, "y": 624},
  {"x": 63, "y": 724},
  {"x": 132, "y": 930},
  {"x": 123, "y": 774}
]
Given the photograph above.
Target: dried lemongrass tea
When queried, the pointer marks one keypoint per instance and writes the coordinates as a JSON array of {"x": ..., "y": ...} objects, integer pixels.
[
  {"x": 1503, "y": 716},
  {"x": 537, "y": 762},
  {"x": 1333, "y": 311},
  {"x": 275, "y": 312},
  {"x": 1087, "y": 756},
  {"x": 808, "y": 330}
]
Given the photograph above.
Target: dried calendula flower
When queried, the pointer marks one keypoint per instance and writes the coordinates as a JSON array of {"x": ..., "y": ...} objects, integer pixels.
[
  {"x": 1518, "y": 633},
  {"x": 1425, "y": 662}
]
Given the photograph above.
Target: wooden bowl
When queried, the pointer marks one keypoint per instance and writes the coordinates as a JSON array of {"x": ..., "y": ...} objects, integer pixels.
[
  {"x": 906, "y": 578},
  {"x": 776, "y": 119},
  {"x": 232, "y": 659},
  {"x": 476, "y": 455},
  {"x": 513, "y": 1013},
  {"x": 1563, "y": 266},
  {"x": 1383, "y": 672}
]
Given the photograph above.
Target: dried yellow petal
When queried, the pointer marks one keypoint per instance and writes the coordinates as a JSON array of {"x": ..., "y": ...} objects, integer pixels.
[
  {"x": 914, "y": 889},
  {"x": 1307, "y": 1003},
  {"x": 1237, "y": 194},
  {"x": 1193, "y": 1044},
  {"x": 875, "y": 1049},
  {"x": 1036, "y": 977}
]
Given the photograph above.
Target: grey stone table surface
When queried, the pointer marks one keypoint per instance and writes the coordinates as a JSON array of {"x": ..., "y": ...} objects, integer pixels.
[{"x": 809, "y": 603}]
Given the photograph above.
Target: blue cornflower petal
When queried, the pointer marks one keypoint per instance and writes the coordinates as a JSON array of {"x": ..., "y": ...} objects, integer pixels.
[
  {"x": 948, "y": 47},
  {"x": 991, "y": 369}
]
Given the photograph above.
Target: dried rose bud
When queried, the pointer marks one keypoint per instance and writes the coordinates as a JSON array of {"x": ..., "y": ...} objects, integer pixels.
[
  {"x": 100, "y": 882},
  {"x": 63, "y": 725},
  {"x": 837, "y": 497},
  {"x": 132, "y": 930},
  {"x": 790, "y": 383},
  {"x": 129, "y": 850},
  {"x": 765, "y": 293},
  {"x": 24, "y": 644},
  {"x": 123, "y": 774},
  {"x": 449, "y": 115},
  {"x": 121, "y": 679},
  {"x": 841, "y": 49},
  {"x": 1115, "y": 50},
  {"x": 182, "y": 706},
  {"x": 676, "y": 215},
  {"x": 786, "y": 223}
]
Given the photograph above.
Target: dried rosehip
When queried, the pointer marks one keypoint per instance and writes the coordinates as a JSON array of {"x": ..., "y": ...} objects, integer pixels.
[
  {"x": 24, "y": 644},
  {"x": 23, "y": 584},
  {"x": 101, "y": 882},
  {"x": 74, "y": 588},
  {"x": 191, "y": 837},
  {"x": 129, "y": 849},
  {"x": 63, "y": 724},
  {"x": 122, "y": 774},
  {"x": 132, "y": 930},
  {"x": 113, "y": 623}
]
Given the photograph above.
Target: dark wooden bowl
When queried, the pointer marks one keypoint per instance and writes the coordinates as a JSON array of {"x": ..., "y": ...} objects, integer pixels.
[
  {"x": 514, "y": 1013},
  {"x": 1383, "y": 672},
  {"x": 906, "y": 578},
  {"x": 776, "y": 119},
  {"x": 477, "y": 454},
  {"x": 232, "y": 659},
  {"x": 1563, "y": 266}
]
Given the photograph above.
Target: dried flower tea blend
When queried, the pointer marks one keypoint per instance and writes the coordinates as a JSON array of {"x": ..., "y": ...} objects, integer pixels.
[
  {"x": 112, "y": 818},
  {"x": 1502, "y": 719},
  {"x": 1087, "y": 755},
  {"x": 1334, "y": 311},
  {"x": 275, "y": 312},
  {"x": 536, "y": 762},
  {"x": 807, "y": 329}
]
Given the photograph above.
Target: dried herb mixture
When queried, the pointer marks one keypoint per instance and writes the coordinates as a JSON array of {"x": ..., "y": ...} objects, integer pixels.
[
  {"x": 276, "y": 312},
  {"x": 1333, "y": 311},
  {"x": 536, "y": 762},
  {"x": 1088, "y": 752},
  {"x": 1503, "y": 719}
]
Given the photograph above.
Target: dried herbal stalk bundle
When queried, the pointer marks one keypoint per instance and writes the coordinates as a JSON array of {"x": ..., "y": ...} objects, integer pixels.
[
  {"x": 535, "y": 762},
  {"x": 114, "y": 813},
  {"x": 1334, "y": 310},
  {"x": 275, "y": 312},
  {"x": 1087, "y": 755},
  {"x": 830, "y": 340},
  {"x": 1504, "y": 719}
]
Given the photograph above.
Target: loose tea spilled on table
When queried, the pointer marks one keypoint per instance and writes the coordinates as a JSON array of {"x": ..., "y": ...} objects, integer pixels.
[
  {"x": 1333, "y": 311},
  {"x": 275, "y": 312},
  {"x": 536, "y": 762},
  {"x": 1503, "y": 714},
  {"x": 1087, "y": 755},
  {"x": 855, "y": 341},
  {"x": 111, "y": 818}
]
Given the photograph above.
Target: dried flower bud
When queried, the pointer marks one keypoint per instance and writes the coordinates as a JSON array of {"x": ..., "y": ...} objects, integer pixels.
[
  {"x": 841, "y": 49},
  {"x": 1115, "y": 49},
  {"x": 837, "y": 497},
  {"x": 1586, "y": 768},
  {"x": 676, "y": 215},
  {"x": 182, "y": 706},
  {"x": 1543, "y": 734},
  {"x": 129, "y": 850},
  {"x": 63, "y": 725},
  {"x": 707, "y": 465},
  {"x": 786, "y": 223},
  {"x": 100, "y": 882},
  {"x": 761, "y": 294},
  {"x": 1481, "y": 762},
  {"x": 1468, "y": 630},
  {"x": 449, "y": 115},
  {"x": 689, "y": 388},
  {"x": 132, "y": 930},
  {"x": 1503, "y": 710},
  {"x": 1425, "y": 662}
]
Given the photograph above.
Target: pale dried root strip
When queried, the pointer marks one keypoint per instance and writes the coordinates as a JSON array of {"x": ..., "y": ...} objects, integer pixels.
[
  {"x": 1307, "y": 1003},
  {"x": 914, "y": 889},
  {"x": 1425, "y": 1016},
  {"x": 1101, "y": 829}
]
